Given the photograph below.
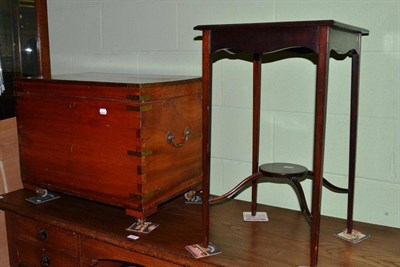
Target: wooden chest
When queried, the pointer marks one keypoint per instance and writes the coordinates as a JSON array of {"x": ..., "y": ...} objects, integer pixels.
[{"x": 129, "y": 141}]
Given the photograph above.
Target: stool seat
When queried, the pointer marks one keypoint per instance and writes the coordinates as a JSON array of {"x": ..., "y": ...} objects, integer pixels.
[{"x": 283, "y": 170}]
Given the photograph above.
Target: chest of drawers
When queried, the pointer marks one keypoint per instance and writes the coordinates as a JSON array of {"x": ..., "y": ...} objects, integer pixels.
[
  {"x": 39, "y": 244},
  {"x": 125, "y": 140}
]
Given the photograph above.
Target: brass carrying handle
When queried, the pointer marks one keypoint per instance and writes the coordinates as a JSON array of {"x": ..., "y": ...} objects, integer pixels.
[{"x": 170, "y": 138}]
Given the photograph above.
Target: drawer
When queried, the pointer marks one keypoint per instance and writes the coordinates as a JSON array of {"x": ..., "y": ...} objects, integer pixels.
[
  {"x": 46, "y": 236},
  {"x": 96, "y": 251},
  {"x": 32, "y": 255}
]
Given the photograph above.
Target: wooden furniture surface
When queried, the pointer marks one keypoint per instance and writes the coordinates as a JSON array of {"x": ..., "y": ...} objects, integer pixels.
[
  {"x": 87, "y": 232},
  {"x": 10, "y": 178},
  {"x": 315, "y": 40},
  {"x": 104, "y": 137}
]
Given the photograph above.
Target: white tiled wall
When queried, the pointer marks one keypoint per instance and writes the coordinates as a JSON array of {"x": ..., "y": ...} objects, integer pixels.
[{"x": 157, "y": 36}]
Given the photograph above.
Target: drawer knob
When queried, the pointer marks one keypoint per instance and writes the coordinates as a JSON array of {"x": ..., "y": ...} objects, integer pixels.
[
  {"x": 171, "y": 138},
  {"x": 42, "y": 234},
  {"x": 45, "y": 261}
]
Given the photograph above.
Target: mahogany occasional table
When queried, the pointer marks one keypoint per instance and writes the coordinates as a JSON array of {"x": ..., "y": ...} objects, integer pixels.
[{"x": 322, "y": 39}]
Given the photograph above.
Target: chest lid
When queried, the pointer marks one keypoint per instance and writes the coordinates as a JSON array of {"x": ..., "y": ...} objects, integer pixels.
[{"x": 137, "y": 87}]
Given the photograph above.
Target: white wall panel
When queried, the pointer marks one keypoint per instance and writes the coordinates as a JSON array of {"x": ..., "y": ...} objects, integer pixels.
[{"x": 157, "y": 36}]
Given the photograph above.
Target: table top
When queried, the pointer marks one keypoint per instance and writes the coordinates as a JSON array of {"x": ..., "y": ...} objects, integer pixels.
[
  {"x": 286, "y": 24},
  {"x": 283, "y": 241},
  {"x": 298, "y": 37}
]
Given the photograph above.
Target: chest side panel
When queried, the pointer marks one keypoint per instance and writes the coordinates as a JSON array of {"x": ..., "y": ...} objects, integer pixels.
[{"x": 171, "y": 170}]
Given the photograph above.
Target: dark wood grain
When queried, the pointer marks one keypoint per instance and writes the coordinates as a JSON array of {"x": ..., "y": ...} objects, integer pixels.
[
  {"x": 321, "y": 39},
  {"x": 257, "y": 65},
  {"x": 43, "y": 38},
  {"x": 285, "y": 24},
  {"x": 283, "y": 241},
  {"x": 207, "y": 71},
  {"x": 122, "y": 157}
]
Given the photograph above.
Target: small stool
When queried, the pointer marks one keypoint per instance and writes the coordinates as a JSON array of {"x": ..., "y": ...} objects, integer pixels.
[
  {"x": 283, "y": 170},
  {"x": 290, "y": 171}
]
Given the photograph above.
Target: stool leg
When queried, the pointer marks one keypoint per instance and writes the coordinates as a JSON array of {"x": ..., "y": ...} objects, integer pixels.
[
  {"x": 303, "y": 202},
  {"x": 256, "y": 127},
  {"x": 237, "y": 188}
]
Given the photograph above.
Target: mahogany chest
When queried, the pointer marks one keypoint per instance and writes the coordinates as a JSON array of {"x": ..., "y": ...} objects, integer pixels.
[{"x": 125, "y": 140}]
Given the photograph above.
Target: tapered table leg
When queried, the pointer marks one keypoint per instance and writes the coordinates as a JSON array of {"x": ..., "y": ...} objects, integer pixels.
[
  {"x": 319, "y": 138},
  {"x": 355, "y": 74},
  {"x": 256, "y": 127},
  {"x": 206, "y": 144}
]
